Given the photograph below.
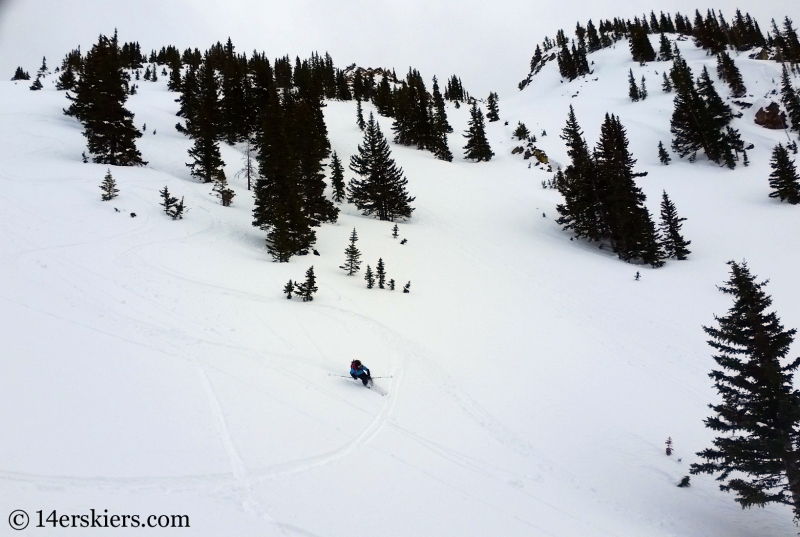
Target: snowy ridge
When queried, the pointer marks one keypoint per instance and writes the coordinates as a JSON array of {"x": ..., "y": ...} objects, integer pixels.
[{"x": 153, "y": 366}]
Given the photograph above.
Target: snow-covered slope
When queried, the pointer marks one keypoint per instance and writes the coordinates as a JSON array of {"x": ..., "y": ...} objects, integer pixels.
[{"x": 153, "y": 366}]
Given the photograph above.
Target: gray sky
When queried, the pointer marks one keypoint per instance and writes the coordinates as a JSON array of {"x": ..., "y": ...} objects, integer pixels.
[{"x": 488, "y": 44}]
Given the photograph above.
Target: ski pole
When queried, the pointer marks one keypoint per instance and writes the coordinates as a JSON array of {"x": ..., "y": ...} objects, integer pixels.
[{"x": 388, "y": 377}]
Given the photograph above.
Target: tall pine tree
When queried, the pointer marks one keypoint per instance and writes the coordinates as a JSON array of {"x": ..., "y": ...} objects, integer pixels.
[
  {"x": 204, "y": 128},
  {"x": 757, "y": 452},
  {"x": 784, "y": 180},
  {"x": 672, "y": 242},
  {"x": 381, "y": 191},
  {"x": 477, "y": 147},
  {"x": 99, "y": 104}
]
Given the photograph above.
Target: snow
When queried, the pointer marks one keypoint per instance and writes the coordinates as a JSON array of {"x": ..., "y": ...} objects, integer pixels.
[{"x": 153, "y": 366}]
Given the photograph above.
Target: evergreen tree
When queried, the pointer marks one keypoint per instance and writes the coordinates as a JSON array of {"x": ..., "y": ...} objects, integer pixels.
[
  {"x": 672, "y": 242},
  {"x": 756, "y": 455},
  {"x": 99, "y": 101},
  {"x": 395, "y": 231},
  {"x": 699, "y": 117},
  {"x": 204, "y": 128},
  {"x": 441, "y": 127},
  {"x": 288, "y": 289},
  {"x": 790, "y": 99},
  {"x": 307, "y": 289},
  {"x": 37, "y": 84},
  {"x": 167, "y": 200},
  {"x": 666, "y": 84},
  {"x": 633, "y": 89},
  {"x": 641, "y": 49},
  {"x": 521, "y": 132},
  {"x": 477, "y": 147},
  {"x": 43, "y": 70},
  {"x": 492, "y": 113},
  {"x": 359, "y": 115},
  {"x": 630, "y": 228},
  {"x": 21, "y": 74},
  {"x": 278, "y": 206},
  {"x": 728, "y": 72},
  {"x": 352, "y": 262},
  {"x": 370, "y": 277},
  {"x": 176, "y": 212},
  {"x": 223, "y": 192},
  {"x": 663, "y": 156},
  {"x": 380, "y": 272},
  {"x": 174, "y": 83},
  {"x": 407, "y": 288},
  {"x": 784, "y": 180},
  {"x": 665, "y": 49},
  {"x": 337, "y": 179},
  {"x": 581, "y": 211},
  {"x": 67, "y": 79},
  {"x": 382, "y": 189},
  {"x": 109, "y": 187},
  {"x": 643, "y": 90},
  {"x": 190, "y": 97}
]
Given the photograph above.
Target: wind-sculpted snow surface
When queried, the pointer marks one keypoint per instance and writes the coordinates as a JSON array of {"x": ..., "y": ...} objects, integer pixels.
[{"x": 153, "y": 366}]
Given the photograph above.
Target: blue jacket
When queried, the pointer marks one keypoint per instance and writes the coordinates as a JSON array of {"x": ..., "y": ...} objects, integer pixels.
[{"x": 363, "y": 370}]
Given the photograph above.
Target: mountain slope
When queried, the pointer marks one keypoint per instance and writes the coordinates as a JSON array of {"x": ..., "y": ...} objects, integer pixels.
[{"x": 154, "y": 366}]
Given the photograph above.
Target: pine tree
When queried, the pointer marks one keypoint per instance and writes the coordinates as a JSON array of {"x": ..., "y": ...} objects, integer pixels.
[
  {"x": 477, "y": 147},
  {"x": 521, "y": 132},
  {"x": 99, "y": 101},
  {"x": 756, "y": 455},
  {"x": 492, "y": 113},
  {"x": 177, "y": 210},
  {"x": 167, "y": 200},
  {"x": 728, "y": 72},
  {"x": 37, "y": 84},
  {"x": 633, "y": 89},
  {"x": 407, "y": 288},
  {"x": 352, "y": 262},
  {"x": 581, "y": 211},
  {"x": 307, "y": 289},
  {"x": 665, "y": 49},
  {"x": 223, "y": 192},
  {"x": 643, "y": 90},
  {"x": 440, "y": 126},
  {"x": 382, "y": 189},
  {"x": 337, "y": 179},
  {"x": 700, "y": 116},
  {"x": 630, "y": 228},
  {"x": 790, "y": 99},
  {"x": 380, "y": 272},
  {"x": 672, "y": 242},
  {"x": 21, "y": 74},
  {"x": 395, "y": 231},
  {"x": 288, "y": 289},
  {"x": 784, "y": 179},
  {"x": 370, "y": 277},
  {"x": 109, "y": 187},
  {"x": 391, "y": 285},
  {"x": 204, "y": 128},
  {"x": 359, "y": 115},
  {"x": 666, "y": 84},
  {"x": 43, "y": 70},
  {"x": 663, "y": 156}
]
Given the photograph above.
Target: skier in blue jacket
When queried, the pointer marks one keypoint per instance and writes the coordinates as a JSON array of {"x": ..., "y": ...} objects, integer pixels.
[{"x": 360, "y": 372}]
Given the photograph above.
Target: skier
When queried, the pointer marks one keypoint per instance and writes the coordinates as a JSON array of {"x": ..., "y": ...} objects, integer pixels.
[{"x": 360, "y": 372}]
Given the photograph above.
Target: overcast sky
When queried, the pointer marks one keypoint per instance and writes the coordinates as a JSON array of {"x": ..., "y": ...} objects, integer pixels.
[{"x": 487, "y": 43}]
